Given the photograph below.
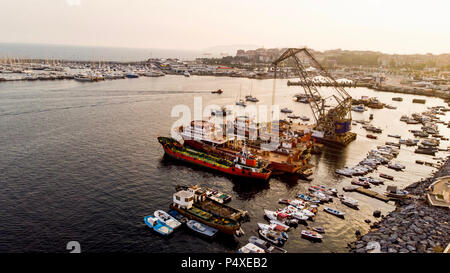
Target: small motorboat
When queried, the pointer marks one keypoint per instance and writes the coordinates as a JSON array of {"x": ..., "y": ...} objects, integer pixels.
[
  {"x": 272, "y": 237},
  {"x": 286, "y": 110},
  {"x": 277, "y": 225},
  {"x": 353, "y": 203},
  {"x": 251, "y": 248},
  {"x": 218, "y": 196},
  {"x": 294, "y": 202},
  {"x": 304, "y": 118},
  {"x": 308, "y": 198},
  {"x": 312, "y": 235},
  {"x": 273, "y": 227},
  {"x": 323, "y": 189},
  {"x": 350, "y": 188},
  {"x": 167, "y": 219},
  {"x": 397, "y": 194},
  {"x": 293, "y": 116},
  {"x": 268, "y": 247},
  {"x": 371, "y": 136},
  {"x": 157, "y": 225},
  {"x": 386, "y": 176},
  {"x": 202, "y": 228},
  {"x": 372, "y": 180},
  {"x": 396, "y": 166},
  {"x": 241, "y": 103},
  {"x": 334, "y": 212},
  {"x": 318, "y": 229},
  {"x": 394, "y": 136},
  {"x": 364, "y": 184},
  {"x": 321, "y": 196},
  {"x": 280, "y": 216}
]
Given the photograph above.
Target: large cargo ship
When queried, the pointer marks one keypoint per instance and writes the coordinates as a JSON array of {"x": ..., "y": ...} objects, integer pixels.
[
  {"x": 291, "y": 157},
  {"x": 193, "y": 204},
  {"x": 243, "y": 164}
]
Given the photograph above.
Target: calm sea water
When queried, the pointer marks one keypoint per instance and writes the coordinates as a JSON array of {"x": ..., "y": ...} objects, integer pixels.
[{"x": 81, "y": 162}]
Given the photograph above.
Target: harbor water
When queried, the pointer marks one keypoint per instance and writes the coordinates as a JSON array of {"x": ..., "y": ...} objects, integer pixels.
[{"x": 81, "y": 162}]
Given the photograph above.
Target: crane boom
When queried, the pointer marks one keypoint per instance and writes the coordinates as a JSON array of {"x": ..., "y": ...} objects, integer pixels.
[{"x": 337, "y": 120}]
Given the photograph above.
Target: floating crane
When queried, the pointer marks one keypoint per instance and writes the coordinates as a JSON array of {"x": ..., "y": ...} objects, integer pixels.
[{"x": 332, "y": 126}]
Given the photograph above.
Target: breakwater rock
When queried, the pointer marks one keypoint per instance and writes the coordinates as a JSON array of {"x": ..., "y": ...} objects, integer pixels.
[{"x": 414, "y": 226}]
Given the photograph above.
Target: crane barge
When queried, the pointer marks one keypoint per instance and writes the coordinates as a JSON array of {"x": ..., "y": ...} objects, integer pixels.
[{"x": 332, "y": 125}]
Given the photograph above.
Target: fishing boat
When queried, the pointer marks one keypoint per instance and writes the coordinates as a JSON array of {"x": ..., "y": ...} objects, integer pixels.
[
  {"x": 353, "y": 203},
  {"x": 371, "y": 136},
  {"x": 297, "y": 214},
  {"x": 358, "y": 182},
  {"x": 180, "y": 217},
  {"x": 334, "y": 212},
  {"x": 268, "y": 248},
  {"x": 425, "y": 151},
  {"x": 202, "y": 228},
  {"x": 326, "y": 190},
  {"x": 272, "y": 237},
  {"x": 383, "y": 175},
  {"x": 244, "y": 164},
  {"x": 167, "y": 219},
  {"x": 277, "y": 225},
  {"x": 293, "y": 116},
  {"x": 312, "y": 235},
  {"x": 251, "y": 248},
  {"x": 397, "y": 193},
  {"x": 397, "y": 99},
  {"x": 394, "y": 136},
  {"x": 273, "y": 227},
  {"x": 157, "y": 225},
  {"x": 241, "y": 103},
  {"x": 194, "y": 205},
  {"x": 304, "y": 118}
]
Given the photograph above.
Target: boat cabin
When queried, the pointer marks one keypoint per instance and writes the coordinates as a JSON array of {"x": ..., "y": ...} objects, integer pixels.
[{"x": 183, "y": 199}]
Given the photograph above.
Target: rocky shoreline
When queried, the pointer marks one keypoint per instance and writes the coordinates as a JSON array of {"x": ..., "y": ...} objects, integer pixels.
[{"x": 414, "y": 227}]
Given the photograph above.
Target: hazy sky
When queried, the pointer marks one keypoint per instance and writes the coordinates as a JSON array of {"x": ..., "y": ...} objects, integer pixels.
[{"x": 391, "y": 26}]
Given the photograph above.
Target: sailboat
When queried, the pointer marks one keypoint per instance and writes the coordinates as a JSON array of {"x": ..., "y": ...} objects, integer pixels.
[
  {"x": 250, "y": 97},
  {"x": 240, "y": 102}
]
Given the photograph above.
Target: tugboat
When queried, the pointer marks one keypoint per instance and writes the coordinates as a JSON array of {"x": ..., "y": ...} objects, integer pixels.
[
  {"x": 243, "y": 164},
  {"x": 195, "y": 206}
]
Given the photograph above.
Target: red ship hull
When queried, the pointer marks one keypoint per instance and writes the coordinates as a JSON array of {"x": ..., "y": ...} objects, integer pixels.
[{"x": 228, "y": 170}]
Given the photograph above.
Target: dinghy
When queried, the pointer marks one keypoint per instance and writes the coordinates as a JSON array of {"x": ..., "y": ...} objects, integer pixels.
[
  {"x": 268, "y": 248},
  {"x": 334, "y": 212},
  {"x": 364, "y": 184},
  {"x": 202, "y": 228},
  {"x": 319, "y": 229},
  {"x": 157, "y": 225},
  {"x": 167, "y": 219},
  {"x": 307, "y": 198}
]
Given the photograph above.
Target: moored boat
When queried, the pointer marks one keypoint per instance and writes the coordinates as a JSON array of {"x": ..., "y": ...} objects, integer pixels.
[
  {"x": 269, "y": 248},
  {"x": 334, "y": 212},
  {"x": 272, "y": 237},
  {"x": 167, "y": 219},
  {"x": 157, "y": 225},
  {"x": 312, "y": 235},
  {"x": 353, "y": 203},
  {"x": 251, "y": 248},
  {"x": 244, "y": 164},
  {"x": 202, "y": 228},
  {"x": 383, "y": 175}
]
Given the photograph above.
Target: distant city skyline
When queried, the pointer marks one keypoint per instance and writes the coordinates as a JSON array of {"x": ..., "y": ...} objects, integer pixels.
[{"x": 392, "y": 27}]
